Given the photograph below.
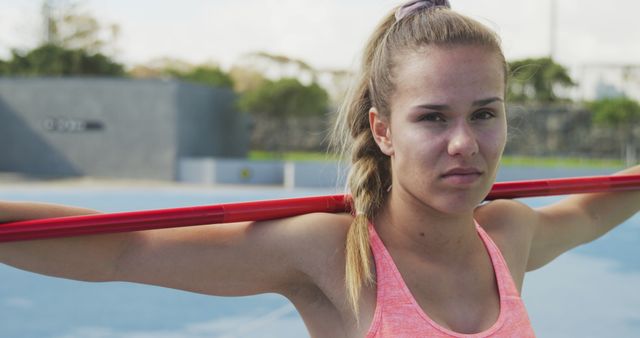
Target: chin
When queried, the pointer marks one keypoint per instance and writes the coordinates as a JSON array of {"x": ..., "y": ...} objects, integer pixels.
[
  {"x": 458, "y": 202},
  {"x": 456, "y": 207}
]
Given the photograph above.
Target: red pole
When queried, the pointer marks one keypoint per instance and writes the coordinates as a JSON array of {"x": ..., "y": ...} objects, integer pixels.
[
  {"x": 272, "y": 209},
  {"x": 563, "y": 186}
]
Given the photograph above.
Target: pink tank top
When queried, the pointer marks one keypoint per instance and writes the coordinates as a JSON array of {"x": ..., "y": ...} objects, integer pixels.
[{"x": 398, "y": 314}]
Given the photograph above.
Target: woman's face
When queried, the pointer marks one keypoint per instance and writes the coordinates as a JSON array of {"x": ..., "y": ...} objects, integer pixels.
[{"x": 447, "y": 128}]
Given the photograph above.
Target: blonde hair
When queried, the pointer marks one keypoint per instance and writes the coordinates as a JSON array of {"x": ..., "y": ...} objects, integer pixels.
[{"x": 370, "y": 174}]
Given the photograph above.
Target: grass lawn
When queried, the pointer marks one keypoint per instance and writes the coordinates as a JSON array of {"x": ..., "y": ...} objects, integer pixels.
[
  {"x": 259, "y": 155},
  {"x": 570, "y": 162}
]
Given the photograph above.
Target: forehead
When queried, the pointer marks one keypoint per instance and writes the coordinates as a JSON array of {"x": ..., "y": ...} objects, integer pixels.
[{"x": 450, "y": 73}]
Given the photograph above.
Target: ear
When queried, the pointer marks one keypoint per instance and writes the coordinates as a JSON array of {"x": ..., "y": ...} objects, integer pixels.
[{"x": 381, "y": 130}]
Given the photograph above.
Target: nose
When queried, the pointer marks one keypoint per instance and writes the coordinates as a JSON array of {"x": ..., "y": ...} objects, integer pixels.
[{"x": 462, "y": 140}]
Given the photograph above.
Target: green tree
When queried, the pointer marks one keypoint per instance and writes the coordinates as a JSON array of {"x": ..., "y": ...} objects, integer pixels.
[
  {"x": 73, "y": 44},
  {"x": 71, "y": 26},
  {"x": 285, "y": 98},
  {"x": 536, "y": 79},
  {"x": 53, "y": 60},
  {"x": 278, "y": 103},
  {"x": 621, "y": 113},
  {"x": 282, "y": 64},
  {"x": 245, "y": 78},
  {"x": 207, "y": 75}
]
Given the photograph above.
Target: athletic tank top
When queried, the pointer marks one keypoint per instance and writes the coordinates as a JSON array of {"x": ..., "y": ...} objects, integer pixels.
[{"x": 398, "y": 314}]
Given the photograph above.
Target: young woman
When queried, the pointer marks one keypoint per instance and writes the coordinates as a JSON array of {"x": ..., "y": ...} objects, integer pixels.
[{"x": 425, "y": 126}]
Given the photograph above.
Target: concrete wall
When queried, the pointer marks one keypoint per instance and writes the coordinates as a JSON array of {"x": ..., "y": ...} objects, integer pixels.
[
  {"x": 230, "y": 171},
  {"x": 112, "y": 127},
  {"x": 562, "y": 130},
  {"x": 307, "y": 174},
  {"x": 209, "y": 124},
  {"x": 315, "y": 174}
]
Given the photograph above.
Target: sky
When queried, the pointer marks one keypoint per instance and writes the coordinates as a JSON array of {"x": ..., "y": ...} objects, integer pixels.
[{"x": 329, "y": 34}]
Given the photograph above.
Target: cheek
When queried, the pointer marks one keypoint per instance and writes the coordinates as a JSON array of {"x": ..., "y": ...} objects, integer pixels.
[
  {"x": 410, "y": 140},
  {"x": 494, "y": 140},
  {"x": 418, "y": 149}
]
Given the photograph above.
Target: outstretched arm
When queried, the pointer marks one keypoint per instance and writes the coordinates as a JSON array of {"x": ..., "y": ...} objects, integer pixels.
[
  {"x": 229, "y": 259},
  {"x": 578, "y": 219},
  {"x": 73, "y": 258}
]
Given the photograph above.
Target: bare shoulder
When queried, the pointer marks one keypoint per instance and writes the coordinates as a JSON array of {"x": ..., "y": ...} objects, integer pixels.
[
  {"x": 319, "y": 254},
  {"x": 323, "y": 228},
  {"x": 318, "y": 234},
  {"x": 307, "y": 243},
  {"x": 505, "y": 218},
  {"x": 317, "y": 242},
  {"x": 510, "y": 224}
]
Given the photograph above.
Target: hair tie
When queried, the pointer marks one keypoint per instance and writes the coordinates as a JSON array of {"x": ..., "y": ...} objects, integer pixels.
[{"x": 415, "y": 5}]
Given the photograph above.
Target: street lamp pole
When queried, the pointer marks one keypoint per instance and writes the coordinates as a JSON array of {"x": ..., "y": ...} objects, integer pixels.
[{"x": 553, "y": 16}]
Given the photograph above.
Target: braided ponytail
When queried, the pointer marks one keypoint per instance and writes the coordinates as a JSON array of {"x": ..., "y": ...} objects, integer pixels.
[
  {"x": 367, "y": 181},
  {"x": 369, "y": 175}
]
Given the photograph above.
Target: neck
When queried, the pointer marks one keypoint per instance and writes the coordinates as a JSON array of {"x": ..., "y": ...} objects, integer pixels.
[{"x": 410, "y": 225}]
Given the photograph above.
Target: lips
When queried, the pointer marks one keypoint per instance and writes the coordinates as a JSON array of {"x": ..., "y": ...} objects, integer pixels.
[
  {"x": 462, "y": 171},
  {"x": 462, "y": 175}
]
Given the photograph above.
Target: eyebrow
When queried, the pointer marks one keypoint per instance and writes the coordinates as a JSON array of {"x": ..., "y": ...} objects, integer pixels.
[{"x": 476, "y": 103}]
